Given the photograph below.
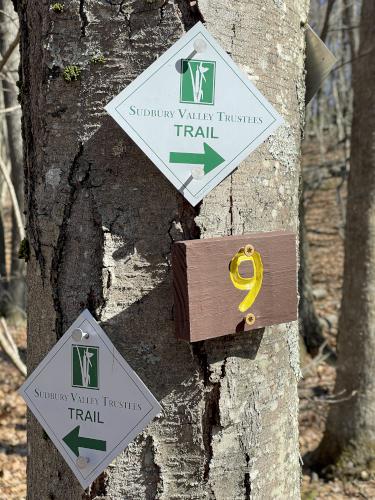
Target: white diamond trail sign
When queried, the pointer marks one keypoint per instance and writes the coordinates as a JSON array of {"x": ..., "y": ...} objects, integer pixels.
[
  {"x": 88, "y": 399},
  {"x": 195, "y": 114}
]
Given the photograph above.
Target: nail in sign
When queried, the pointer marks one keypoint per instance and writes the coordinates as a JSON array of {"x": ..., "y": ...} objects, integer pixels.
[
  {"x": 195, "y": 114},
  {"x": 88, "y": 399}
]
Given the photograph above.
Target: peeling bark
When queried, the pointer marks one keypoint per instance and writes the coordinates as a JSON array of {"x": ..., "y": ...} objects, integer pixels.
[{"x": 101, "y": 221}]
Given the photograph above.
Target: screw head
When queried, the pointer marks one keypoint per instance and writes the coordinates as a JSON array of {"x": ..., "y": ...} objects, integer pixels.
[
  {"x": 79, "y": 335},
  {"x": 82, "y": 462},
  {"x": 250, "y": 319},
  {"x": 248, "y": 250},
  {"x": 197, "y": 173},
  {"x": 199, "y": 45}
]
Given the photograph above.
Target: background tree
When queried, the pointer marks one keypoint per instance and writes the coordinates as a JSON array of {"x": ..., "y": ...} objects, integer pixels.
[
  {"x": 100, "y": 223},
  {"x": 328, "y": 118},
  {"x": 350, "y": 432},
  {"x": 12, "y": 298},
  {"x": 311, "y": 328},
  {"x": 12, "y": 279}
]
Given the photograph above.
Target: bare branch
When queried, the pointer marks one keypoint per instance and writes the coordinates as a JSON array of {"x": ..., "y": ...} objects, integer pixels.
[
  {"x": 317, "y": 360},
  {"x": 16, "y": 207},
  {"x": 9, "y": 51},
  {"x": 9, "y": 110},
  {"x": 333, "y": 398},
  {"x": 10, "y": 348},
  {"x": 353, "y": 59},
  {"x": 8, "y": 335},
  {"x": 6, "y": 76},
  {"x": 344, "y": 28}
]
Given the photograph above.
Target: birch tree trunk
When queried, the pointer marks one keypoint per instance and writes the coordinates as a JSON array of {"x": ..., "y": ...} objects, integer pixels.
[
  {"x": 14, "y": 139},
  {"x": 350, "y": 434},
  {"x": 101, "y": 220}
]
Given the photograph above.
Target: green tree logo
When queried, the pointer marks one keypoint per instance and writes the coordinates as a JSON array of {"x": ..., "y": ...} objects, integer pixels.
[
  {"x": 197, "y": 81},
  {"x": 85, "y": 366}
]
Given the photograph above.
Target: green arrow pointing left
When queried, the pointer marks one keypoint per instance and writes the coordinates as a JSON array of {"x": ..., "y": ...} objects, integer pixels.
[
  {"x": 210, "y": 158},
  {"x": 75, "y": 441}
]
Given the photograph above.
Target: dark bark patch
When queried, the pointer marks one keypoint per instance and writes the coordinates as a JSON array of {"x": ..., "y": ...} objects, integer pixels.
[
  {"x": 190, "y": 13},
  {"x": 210, "y": 424},
  {"x": 151, "y": 470},
  {"x": 83, "y": 16},
  {"x": 97, "y": 489},
  {"x": 247, "y": 483}
]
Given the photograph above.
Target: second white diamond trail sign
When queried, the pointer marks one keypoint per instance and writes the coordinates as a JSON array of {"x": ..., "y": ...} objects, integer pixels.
[
  {"x": 88, "y": 399},
  {"x": 195, "y": 114}
]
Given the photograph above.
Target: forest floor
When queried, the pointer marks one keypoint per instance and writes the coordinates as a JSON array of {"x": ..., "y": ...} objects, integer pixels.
[
  {"x": 325, "y": 206},
  {"x": 13, "y": 447}
]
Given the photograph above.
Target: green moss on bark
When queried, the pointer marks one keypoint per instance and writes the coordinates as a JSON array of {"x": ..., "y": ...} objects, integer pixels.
[
  {"x": 98, "y": 59},
  {"x": 72, "y": 73},
  {"x": 57, "y": 7}
]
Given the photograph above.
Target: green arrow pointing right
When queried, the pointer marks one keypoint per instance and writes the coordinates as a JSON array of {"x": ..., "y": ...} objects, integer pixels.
[
  {"x": 74, "y": 441},
  {"x": 210, "y": 158}
]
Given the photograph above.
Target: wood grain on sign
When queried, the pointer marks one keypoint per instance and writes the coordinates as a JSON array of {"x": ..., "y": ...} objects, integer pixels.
[{"x": 205, "y": 299}]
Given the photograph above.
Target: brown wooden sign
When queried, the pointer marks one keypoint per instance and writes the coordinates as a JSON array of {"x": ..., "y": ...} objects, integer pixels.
[{"x": 233, "y": 284}]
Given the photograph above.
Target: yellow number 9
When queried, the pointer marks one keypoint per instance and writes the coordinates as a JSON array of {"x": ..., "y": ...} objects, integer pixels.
[{"x": 253, "y": 284}]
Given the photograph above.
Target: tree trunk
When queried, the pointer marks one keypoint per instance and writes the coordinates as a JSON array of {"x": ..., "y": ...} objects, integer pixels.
[
  {"x": 101, "y": 219},
  {"x": 350, "y": 432},
  {"x": 9, "y": 31},
  {"x": 311, "y": 329},
  {"x": 349, "y": 23},
  {"x": 3, "y": 154},
  {"x": 324, "y": 32}
]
